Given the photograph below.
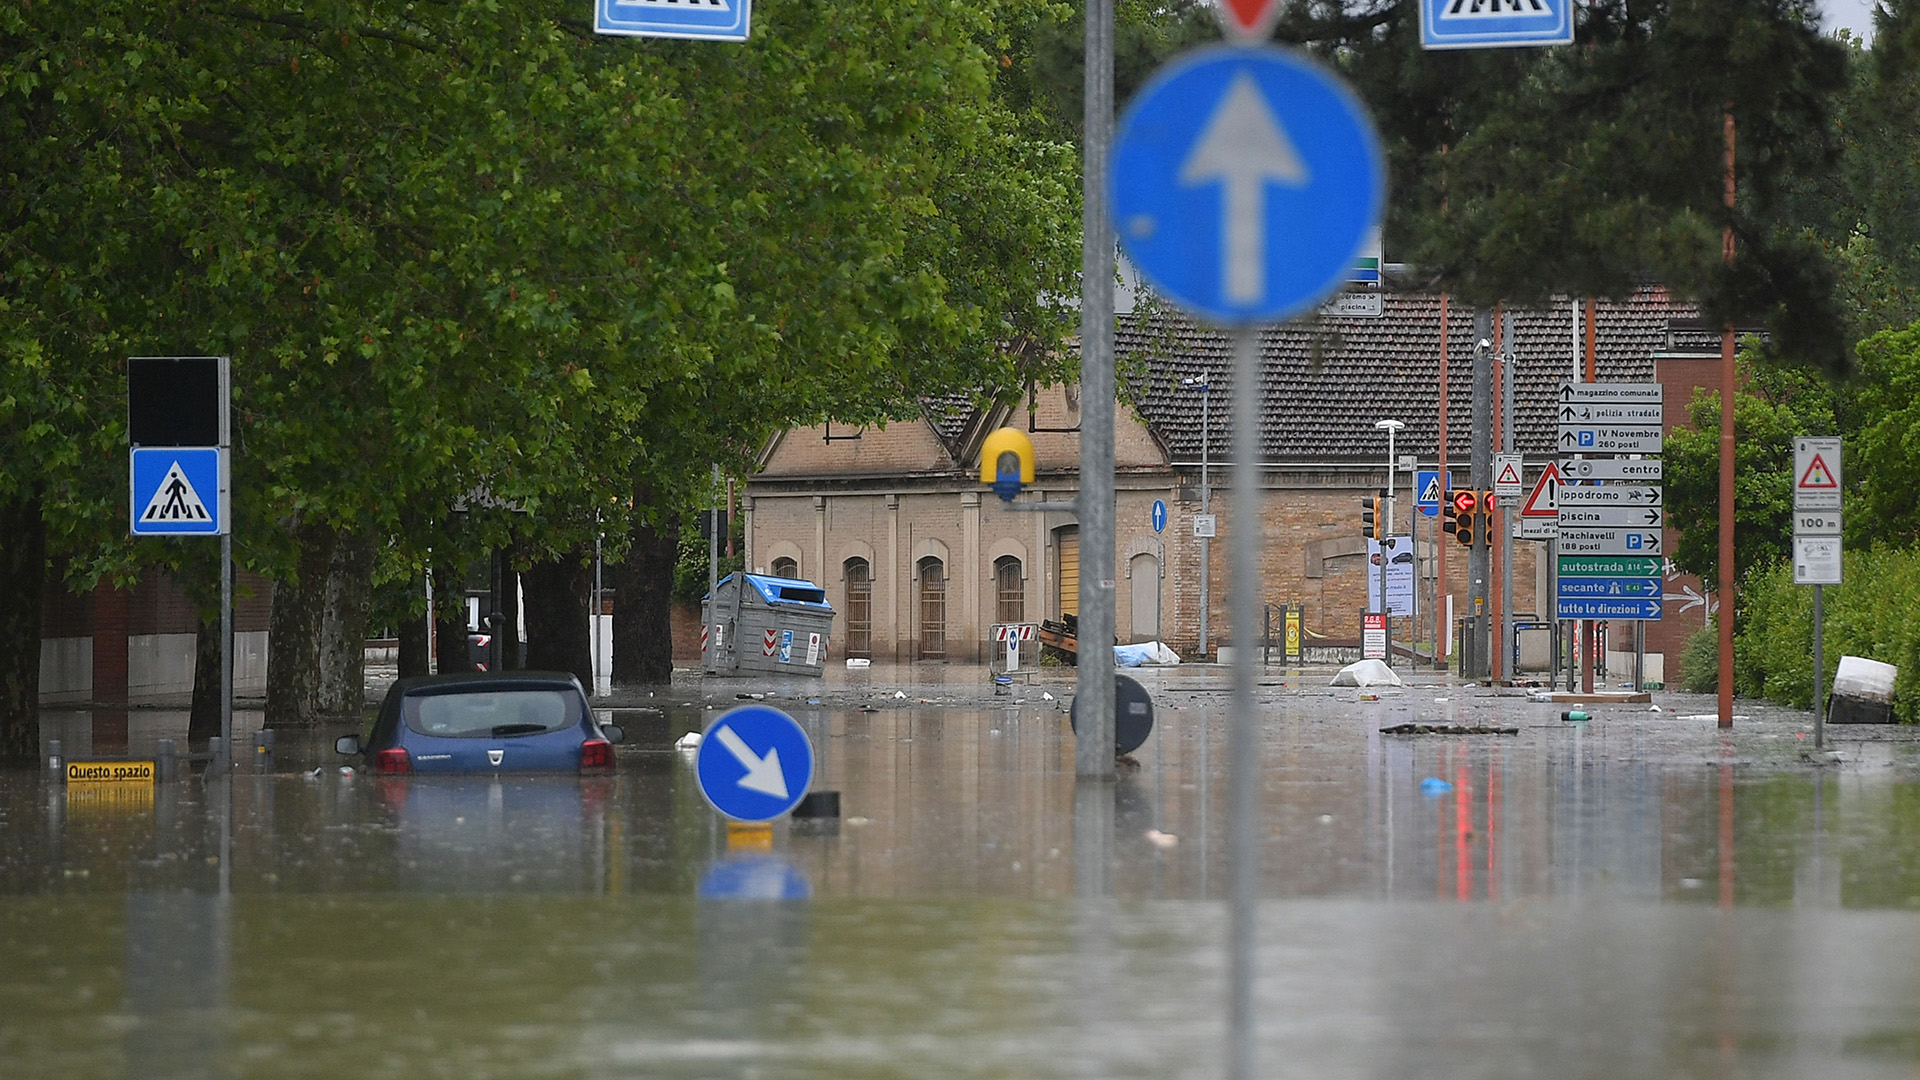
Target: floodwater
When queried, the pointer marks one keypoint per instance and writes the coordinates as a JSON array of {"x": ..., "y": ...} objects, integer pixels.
[{"x": 1636, "y": 896}]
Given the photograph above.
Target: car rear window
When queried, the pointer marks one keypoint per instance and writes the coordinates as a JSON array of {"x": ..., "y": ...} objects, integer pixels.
[{"x": 492, "y": 713}]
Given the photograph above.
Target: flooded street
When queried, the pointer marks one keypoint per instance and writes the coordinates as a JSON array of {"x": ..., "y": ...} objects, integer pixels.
[{"x": 1638, "y": 895}]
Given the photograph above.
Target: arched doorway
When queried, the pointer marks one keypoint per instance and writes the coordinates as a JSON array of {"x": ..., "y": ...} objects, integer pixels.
[
  {"x": 859, "y": 608},
  {"x": 1143, "y": 574},
  {"x": 933, "y": 609}
]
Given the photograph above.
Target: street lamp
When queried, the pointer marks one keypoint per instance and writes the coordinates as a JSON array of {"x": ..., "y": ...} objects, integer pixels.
[
  {"x": 1386, "y": 609},
  {"x": 1206, "y": 415}
]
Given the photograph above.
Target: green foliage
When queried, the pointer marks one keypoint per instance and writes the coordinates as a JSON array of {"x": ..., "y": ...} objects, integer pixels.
[
  {"x": 1700, "y": 661},
  {"x": 1876, "y": 615},
  {"x": 1517, "y": 174},
  {"x": 690, "y": 569},
  {"x": 1882, "y": 428},
  {"x": 1773, "y": 406},
  {"x": 475, "y": 249}
]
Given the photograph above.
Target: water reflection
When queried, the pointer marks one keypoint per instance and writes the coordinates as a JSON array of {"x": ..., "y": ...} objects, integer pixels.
[{"x": 1578, "y": 900}]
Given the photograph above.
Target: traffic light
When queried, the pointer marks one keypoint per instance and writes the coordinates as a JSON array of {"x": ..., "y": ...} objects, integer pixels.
[
  {"x": 1464, "y": 508},
  {"x": 1449, "y": 518},
  {"x": 1368, "y": 528},
  {"x": 1006, "y": 462}
]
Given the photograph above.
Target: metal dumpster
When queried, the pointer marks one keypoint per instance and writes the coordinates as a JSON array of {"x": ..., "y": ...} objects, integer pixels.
[{"x": 775, "y": 625}]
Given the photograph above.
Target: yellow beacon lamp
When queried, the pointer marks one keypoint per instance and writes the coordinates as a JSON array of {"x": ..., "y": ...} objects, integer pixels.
[{"x": 1006, "y": 462}]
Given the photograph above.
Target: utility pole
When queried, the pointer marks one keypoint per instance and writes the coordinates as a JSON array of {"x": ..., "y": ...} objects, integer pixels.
[
  {"x": 1094, "y": 683},
  {"x": 1479, "y": 556}
]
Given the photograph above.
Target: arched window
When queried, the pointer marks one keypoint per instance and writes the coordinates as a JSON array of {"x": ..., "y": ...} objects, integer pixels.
[
  {"x": 933, "y": 609},
  {"x": 1010, "y": 591},
  {"x": 859, "y": 608},
  {"x": 785, "y": 567}
]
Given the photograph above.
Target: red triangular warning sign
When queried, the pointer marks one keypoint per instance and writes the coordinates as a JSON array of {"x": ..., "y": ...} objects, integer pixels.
[
  {"x": 1249, "y": 20},
  {"x": 1508, "y": 475},
  {"x": 1544, "y": 500},
  {"x": 1817, "y": 475}
]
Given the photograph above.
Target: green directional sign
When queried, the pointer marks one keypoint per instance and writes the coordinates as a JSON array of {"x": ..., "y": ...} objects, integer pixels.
[{"x": 1609, "y": 565}]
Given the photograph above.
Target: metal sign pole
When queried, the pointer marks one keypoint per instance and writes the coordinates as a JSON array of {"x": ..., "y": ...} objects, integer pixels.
[
  {"x": 1819, "y": 671},
  {"x": 1246, "y": 749}
]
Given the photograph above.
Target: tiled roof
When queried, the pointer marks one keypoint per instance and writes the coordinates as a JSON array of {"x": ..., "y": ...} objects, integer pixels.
[
  {"x": 1325, "y": 382},
  {"x": 949, "y": 414}
]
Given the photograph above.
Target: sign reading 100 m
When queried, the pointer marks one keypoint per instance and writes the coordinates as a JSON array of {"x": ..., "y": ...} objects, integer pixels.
[{"x": 1245, "y": 180}]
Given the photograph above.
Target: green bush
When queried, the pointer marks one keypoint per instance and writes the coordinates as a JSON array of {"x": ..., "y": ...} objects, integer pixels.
[
  {"x": 1876, "y": 614},
  {"x": 1700, "y": 661}
]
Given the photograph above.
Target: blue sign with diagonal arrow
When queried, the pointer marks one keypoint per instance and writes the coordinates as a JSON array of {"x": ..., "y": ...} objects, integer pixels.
[
  {"x": 754, "y": 763},
  {"x": 1245, "y": 182}
]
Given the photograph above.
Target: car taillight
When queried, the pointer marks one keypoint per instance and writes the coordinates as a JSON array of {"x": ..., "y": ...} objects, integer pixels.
[
  {"x": 596, "y": 754},
  {"x": 392, "y": 760}
]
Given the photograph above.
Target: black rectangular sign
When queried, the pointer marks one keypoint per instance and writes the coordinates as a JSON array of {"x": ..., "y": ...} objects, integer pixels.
[{"x": 176, "y": 401}]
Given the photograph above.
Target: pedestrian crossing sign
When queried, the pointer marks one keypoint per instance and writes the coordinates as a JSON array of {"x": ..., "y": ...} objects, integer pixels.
[{"x": 179, "y": 491}]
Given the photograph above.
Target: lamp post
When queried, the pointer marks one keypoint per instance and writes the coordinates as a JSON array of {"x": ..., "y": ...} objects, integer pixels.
[
  {"x": 1386, "y": 531},
  {"x": 1206, "y": 415}
]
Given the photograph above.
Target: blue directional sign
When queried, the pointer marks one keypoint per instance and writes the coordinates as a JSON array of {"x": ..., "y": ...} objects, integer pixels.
[
  {"x": 1159, "y": 515},
  {"x": 708, "y": 20},
  {"x": 1495, "y": 24},
  {"x": 1608, "y": 608},
  {"x": 1245, "y": 182},
  {"x": 1429, "y": 490},
  {"x": 1574, "y": 588},
  {"x": 177, "y": 491},
  {"x": 754, "y": 764}
]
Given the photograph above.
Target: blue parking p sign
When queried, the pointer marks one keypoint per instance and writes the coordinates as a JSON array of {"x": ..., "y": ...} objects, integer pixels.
[{"x": 178, "y": 491}]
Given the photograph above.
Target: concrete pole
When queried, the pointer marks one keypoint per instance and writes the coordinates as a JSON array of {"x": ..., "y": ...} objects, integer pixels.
[
  {"x": 1093, "y": 747},
  {"x": 1479, "y": 556}
]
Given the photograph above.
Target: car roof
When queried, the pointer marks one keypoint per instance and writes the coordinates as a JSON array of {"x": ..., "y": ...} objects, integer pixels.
[{"x": 481, "y": 681}]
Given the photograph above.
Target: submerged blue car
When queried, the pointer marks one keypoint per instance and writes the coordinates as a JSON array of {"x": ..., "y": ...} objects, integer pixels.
[{"x": 523, "y": 721}]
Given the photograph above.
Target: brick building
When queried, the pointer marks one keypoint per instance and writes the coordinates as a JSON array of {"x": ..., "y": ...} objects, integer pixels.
[{"x": 921, "y": 560}]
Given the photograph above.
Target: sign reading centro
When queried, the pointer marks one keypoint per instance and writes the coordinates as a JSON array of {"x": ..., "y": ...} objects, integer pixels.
[{"x": 110, "y": 772}]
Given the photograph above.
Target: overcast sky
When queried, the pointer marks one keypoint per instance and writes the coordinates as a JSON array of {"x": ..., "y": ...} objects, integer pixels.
[{"x": 1855, "y": 15}]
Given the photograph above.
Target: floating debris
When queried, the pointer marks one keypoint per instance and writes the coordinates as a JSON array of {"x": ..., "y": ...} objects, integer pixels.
[{"x": 1447, "y": 729}]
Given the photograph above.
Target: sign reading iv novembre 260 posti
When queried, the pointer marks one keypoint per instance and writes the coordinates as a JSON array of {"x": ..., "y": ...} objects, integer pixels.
[
  {"x": 1495, "y": 24},
  {"x": 1245, "y": 180}
]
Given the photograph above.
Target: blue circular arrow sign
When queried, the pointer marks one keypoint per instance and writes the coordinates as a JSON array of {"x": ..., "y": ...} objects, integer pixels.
[
  {"x": 1159, "y": 515},
  {"x": 754, "y": 763},
  {"x": 1244, "y": 183}
]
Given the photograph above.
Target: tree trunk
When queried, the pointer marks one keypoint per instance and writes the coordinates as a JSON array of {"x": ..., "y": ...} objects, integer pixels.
[
  {"x": 415, "y": 646},
  {"x": 203, "y": 721},
  {"x": 450, "y": 618},
  {"x": 558, "y": 638},
  {"x": 319, "y": 627},
  {"x": 643, "y": 606},
  {"x": 23, "y": 573}
]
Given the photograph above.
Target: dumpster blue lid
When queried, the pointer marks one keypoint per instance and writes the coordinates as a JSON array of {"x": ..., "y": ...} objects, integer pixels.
[{"x": 787, "y": 592}]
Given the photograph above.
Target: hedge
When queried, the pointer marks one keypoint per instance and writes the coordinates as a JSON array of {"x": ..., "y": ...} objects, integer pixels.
[{"x": 1875, "y": 614}]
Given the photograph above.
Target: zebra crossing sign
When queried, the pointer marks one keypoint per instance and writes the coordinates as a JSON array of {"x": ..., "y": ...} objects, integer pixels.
[
  {"x": 179, "y": 491},
  {"x": 705, "y": 20},
  {"x": 1495, "y": 24}
]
